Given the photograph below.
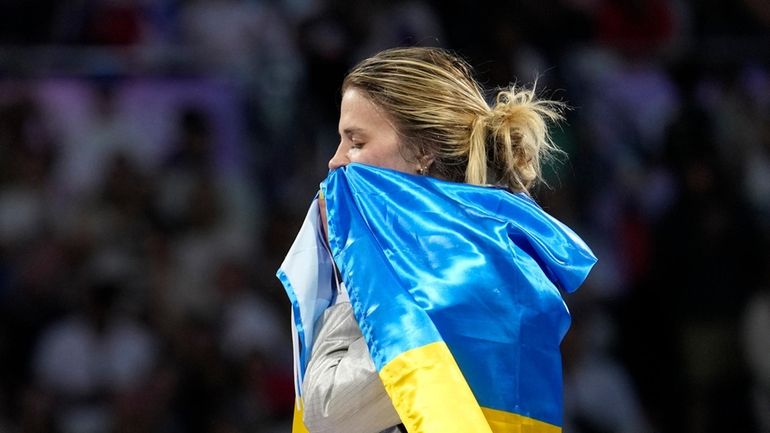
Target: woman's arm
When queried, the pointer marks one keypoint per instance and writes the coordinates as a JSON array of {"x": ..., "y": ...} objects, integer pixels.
[{"x": 342, "y": 391}]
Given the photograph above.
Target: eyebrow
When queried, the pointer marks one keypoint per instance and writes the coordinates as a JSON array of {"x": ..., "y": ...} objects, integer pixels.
[{"x": 353, "y": 130}]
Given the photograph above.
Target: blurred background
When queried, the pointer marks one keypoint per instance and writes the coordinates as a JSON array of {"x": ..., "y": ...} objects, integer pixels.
[{"x": 158, "y": 156}]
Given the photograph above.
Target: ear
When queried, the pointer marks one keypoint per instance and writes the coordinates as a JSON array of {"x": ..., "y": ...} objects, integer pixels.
[{"x": 426, "y": 161}]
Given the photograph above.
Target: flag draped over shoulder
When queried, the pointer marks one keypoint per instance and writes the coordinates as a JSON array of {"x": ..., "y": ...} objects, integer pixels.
[{"x": 456, "y": 289}]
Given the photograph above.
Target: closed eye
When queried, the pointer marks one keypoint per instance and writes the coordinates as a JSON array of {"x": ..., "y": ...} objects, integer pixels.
[{"x": 356, "y": 136}]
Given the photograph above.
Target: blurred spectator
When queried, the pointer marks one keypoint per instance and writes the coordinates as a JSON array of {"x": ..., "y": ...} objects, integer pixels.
[
  {"x": 191, "y": 157},
  {"x": 207, "y": 214},
  {"x": 741, "y": 116},
  {"x": 594, "y": 378},
  {"x": 86, "y": 360},
  {"x": 203, "y": 387},
  {"x": 195, "y": 251},
  {"x": 398, "y": 23},
  {"x": 87, "y": 147},
  {"x": 251, "y": 43},
  {"x": 706, "y": 289},
  {"x": 26, "y": 155},
  {"x": 252, "y": 340},
  {"x": 755, "y": 324},
  {"x": 249, "y": 324}
]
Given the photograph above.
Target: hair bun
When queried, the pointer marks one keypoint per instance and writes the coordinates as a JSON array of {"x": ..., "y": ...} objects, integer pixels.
[{"x": 518, "y": 132}]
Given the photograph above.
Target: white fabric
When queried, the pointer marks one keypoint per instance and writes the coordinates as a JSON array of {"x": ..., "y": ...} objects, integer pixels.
[{"x": 308, "y": 268}]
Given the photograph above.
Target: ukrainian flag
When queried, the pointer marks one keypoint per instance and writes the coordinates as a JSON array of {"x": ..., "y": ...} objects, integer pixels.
[{"x": 456, "y": 289}]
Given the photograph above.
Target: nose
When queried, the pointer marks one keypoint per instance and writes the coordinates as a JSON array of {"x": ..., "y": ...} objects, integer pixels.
[{"x": 339, "y": 159}]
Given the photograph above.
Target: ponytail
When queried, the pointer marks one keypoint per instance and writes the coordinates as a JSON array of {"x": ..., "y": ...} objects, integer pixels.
[
  {"x": 515, "y": 136},
  {"x": 476, "y": 172}
]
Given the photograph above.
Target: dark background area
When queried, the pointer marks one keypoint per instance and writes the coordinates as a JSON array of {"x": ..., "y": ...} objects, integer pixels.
[{"x": 158, "y": 157}]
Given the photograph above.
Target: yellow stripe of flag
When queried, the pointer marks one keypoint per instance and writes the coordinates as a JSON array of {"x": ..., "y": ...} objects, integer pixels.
[
  {"x": 298, "y": 426},
  {"x": 431, "y": 395},
  {"x": 507, "y": 422}
]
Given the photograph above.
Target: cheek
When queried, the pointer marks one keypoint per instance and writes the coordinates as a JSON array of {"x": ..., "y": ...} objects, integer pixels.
[
  {"x": 369, "y": 154},
  {"x": 388, "y": 158},
  {"x": 397, "y": 162},
  {"x": 395, "y": 158},
  {"x": 386, "y": 155}
]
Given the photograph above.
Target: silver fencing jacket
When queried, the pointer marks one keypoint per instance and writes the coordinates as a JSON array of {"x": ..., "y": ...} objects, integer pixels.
[{"x": 342, "y": 391}]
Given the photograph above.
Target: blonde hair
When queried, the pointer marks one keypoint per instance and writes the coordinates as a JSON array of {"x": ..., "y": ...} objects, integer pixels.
[{"x": 440, "y": 112}]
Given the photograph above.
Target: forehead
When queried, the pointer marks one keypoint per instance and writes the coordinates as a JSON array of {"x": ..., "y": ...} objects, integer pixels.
[{"x": 358, "y": 112}]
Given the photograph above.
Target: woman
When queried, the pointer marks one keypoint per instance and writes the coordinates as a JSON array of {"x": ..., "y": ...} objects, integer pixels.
[{"x": 419, "y": 112}]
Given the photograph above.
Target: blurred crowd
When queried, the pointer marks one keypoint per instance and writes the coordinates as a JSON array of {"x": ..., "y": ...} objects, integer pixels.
[{"x": 158, "y": 156}]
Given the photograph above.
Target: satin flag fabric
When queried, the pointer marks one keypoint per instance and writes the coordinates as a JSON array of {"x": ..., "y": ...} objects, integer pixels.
[
  {"x": 456, "y": 289},
  {"x": 306, "y": 274}
]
